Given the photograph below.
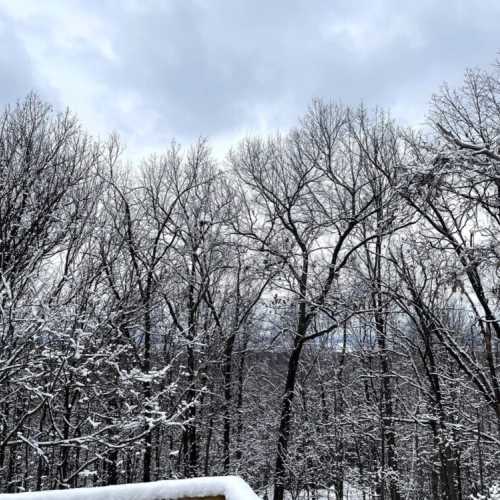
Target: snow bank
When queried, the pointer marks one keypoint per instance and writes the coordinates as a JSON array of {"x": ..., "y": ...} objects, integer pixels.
[{"x": 232, "y": 487}]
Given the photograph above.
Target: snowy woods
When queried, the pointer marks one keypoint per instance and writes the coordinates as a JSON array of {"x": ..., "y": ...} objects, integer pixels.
[{"x": 319, "y": 309}]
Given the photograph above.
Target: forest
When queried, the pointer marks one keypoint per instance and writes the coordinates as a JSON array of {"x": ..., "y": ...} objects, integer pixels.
[{"x": 318, "y": 309}]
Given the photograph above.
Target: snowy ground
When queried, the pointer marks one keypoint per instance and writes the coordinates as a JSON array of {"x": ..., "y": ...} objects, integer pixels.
[
  {"x": 233, "y": 488},
  {"x": 350, "y": 493}
]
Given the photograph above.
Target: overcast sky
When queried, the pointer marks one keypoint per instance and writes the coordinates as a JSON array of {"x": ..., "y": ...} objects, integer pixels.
[{"x": 154, "y": 70}]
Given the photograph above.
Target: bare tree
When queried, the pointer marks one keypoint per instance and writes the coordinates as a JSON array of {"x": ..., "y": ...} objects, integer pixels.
[{"x": 305, "y": 198}]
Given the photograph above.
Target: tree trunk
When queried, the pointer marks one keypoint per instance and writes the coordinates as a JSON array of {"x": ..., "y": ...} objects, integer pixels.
[{"x": 285, "y": 419}]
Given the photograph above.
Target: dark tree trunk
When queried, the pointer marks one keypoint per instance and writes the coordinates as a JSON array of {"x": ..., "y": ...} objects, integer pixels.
[{"x": 285, "y": 419}]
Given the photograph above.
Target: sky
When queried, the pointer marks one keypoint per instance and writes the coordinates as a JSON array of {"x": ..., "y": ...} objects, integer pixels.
[{"x": 153, "y": 71}]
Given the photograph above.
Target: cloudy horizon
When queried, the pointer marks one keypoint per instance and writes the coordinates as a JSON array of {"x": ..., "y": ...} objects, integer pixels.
[{"x": 154, "y": 71}]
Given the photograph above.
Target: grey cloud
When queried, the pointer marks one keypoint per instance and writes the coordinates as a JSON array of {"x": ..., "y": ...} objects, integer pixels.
[
  {"x": 206, "y": 69},
  {"x": 16, "y": 74},
  {"x": 211, "y": 67}
]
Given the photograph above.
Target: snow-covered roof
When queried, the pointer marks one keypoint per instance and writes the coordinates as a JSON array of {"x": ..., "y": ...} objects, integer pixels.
[{"x": 232, "y": 487}]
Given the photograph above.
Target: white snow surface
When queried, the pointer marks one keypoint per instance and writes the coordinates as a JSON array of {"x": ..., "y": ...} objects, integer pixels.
[{"x": 232, "y": 487}]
